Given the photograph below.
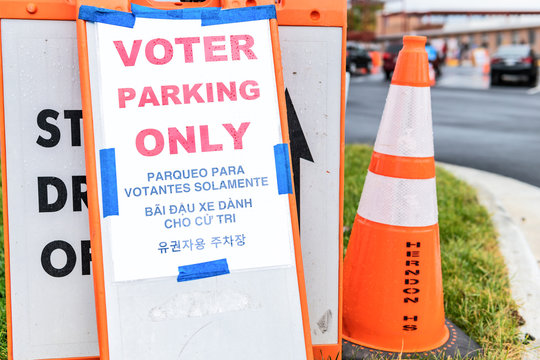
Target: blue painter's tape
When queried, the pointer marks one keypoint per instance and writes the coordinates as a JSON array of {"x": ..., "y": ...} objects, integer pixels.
[
  {"x": 208, "y": 16},
  {"x": 283, "y": 169},
  {"x": 180, "y": 14},
  {"x": 109, "y": 187},
  {"x": 107, "y": 16},
  {"x": 228, "y": 16},
  {"x": 203, "y": 270}
]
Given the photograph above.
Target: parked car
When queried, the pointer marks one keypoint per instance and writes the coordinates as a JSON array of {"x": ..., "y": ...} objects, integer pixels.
[
  {"x": 389, "y": 59},
  {"x": 514, "y": 61},
  {"x": 357, "y": 58}
]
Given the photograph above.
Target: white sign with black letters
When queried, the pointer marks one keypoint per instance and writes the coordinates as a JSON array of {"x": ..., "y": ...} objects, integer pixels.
[{"x": 52, "y": 298}]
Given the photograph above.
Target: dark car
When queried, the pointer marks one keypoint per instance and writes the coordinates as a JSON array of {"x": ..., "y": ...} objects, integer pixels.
[
  {"x": 514, "y": 61},
  {"x": 389, "y": 59},
  {"x": 357, "y": 58}
]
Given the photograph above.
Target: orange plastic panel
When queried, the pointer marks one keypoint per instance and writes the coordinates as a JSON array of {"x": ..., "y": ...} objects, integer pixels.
[
  {"x": 38, "y": 10},
  {"x": 120, "y": 5},
  {"x": 67, "y": 9},
  {"x": 229, "y": 4},
  {"x": 312, "y": 13},
  {"x": 176, "y": 5}
]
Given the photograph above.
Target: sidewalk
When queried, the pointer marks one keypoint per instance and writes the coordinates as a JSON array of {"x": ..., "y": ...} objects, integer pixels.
[{"x": 515, "y": 210}]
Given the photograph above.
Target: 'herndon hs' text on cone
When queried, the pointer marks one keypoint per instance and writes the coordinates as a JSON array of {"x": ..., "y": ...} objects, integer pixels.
[{"x": 393, "y": 295}]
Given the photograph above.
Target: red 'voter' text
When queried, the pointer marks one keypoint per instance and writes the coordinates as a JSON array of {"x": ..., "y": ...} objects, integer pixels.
[{"x": 212, "y": 48}]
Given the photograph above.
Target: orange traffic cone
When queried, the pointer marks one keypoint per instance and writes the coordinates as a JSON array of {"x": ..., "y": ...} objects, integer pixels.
[
  {"x": 486, "y": 68},
  {"x": 392, "y": 294},
  {"x": 375, "y": 61}
]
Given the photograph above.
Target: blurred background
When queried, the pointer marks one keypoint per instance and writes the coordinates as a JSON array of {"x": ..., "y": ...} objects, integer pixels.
[{"x": 484, "y": 58}]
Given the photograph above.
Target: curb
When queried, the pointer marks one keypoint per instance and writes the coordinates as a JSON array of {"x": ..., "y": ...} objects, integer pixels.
[{"x": 507, "y": 200}]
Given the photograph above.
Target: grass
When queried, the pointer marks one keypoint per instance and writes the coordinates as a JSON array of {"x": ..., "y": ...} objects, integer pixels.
[
  {"x": 3, "y": 327},
  {"x": 476, "y": 286}
]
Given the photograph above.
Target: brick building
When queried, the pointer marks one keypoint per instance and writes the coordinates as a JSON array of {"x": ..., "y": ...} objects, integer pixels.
[{"x": 485, "y": 25}]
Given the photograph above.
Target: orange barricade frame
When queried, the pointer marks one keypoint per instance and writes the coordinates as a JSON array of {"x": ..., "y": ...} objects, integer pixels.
[
  {"x": 301, "y": 13},
  {"x": 325, "y": 13},
  {"x": 4, "y": 207},
  {"x": 93, "y": 197}
]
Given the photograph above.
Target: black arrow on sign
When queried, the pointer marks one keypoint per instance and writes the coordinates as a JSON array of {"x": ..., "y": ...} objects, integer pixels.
[{"x": 299, "y": 147}]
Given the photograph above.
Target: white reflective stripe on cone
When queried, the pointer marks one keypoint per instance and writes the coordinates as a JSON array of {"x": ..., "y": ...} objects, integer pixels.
[
  {"x": 399, "y": 202},
  {"x": 406, "y": 128}
]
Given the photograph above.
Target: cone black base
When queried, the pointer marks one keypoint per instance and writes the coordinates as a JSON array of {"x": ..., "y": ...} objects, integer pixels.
[{"x": 458, "y": 344}]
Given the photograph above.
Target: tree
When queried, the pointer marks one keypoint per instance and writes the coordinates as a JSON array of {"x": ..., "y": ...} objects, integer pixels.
[{"x": 362, "y": 15}]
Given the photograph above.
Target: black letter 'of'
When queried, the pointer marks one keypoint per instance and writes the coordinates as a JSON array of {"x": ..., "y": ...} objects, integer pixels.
[{"x": 71, "y": 258}]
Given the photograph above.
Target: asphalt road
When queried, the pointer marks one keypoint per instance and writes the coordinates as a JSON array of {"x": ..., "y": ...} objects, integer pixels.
[{"x": 496, "y": 130}]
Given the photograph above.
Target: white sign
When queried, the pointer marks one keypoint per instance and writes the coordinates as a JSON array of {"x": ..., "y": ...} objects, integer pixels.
[
  {"x": 52, "y": 298},
  {"x": 190, "y": 122},
  {"x": 315, "y": 93}
]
